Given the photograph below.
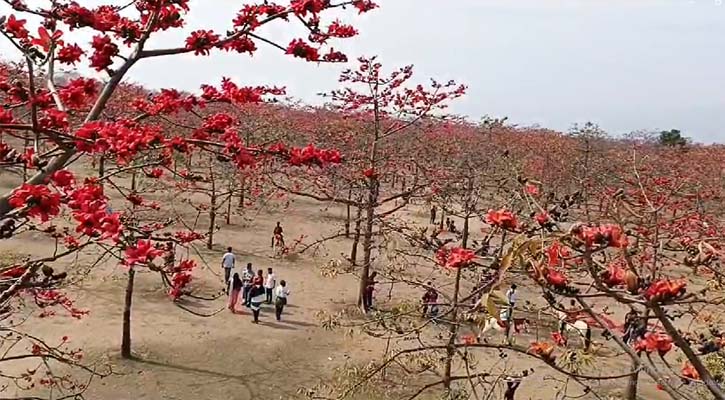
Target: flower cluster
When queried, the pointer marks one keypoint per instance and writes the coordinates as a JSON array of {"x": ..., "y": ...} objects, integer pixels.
[
  {"x": 654, "y": 341},
  {"x": 455, "y": 257},
  {"x": 502, "y": 218}
]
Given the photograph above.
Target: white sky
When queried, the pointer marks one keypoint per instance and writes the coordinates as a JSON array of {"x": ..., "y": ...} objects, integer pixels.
[{"x": 624, "y": 64}]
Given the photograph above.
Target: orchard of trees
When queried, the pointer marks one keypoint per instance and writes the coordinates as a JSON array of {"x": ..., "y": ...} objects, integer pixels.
[{"x": 589, "y": 227}]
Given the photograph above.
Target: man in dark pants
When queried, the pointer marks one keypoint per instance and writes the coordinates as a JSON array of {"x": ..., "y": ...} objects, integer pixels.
[{"x": 228, "y": 260}]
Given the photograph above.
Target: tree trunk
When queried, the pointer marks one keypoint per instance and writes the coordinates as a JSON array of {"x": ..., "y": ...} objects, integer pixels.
[
  {"x": 356, "y": 237},
  {"x": 368, "y": 238},
  {"x": 101, "y": 166},
  {"x": 126, "y": 337},
  {"x": 212, "y": 222},
  {"x": 241, "y": 192},
  {"x": 631, "y": 393},
  {"x": 347, "y": 217},
  {"x": 452, "y": 332}
]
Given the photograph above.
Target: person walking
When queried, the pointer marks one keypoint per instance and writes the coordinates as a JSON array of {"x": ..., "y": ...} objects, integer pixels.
[
  {"x": 433, "y": 213},
  {"x": 281, "y": 295},
  {"x": 235, "y": 286},
  {"x": 278, "y": 231},
  {"x": 256, "y": 298},
  {"x": 269, "y": 283},
  {"x": 247, "y": 277},
  {"x": 228, "y": 260}
]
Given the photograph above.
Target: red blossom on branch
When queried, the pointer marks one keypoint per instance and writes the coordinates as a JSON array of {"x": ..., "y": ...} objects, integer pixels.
[
  {"x": 454, "y": 258},
  {"x": 41, "y": 202},
  {"x": 142, "y": 253},
  {"x": 653, "y": 341},
  {"x": 502, "y": 218}
]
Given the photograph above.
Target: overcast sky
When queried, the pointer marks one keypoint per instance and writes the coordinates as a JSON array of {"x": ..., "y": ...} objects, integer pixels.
[{"x": 624, "y": 64}]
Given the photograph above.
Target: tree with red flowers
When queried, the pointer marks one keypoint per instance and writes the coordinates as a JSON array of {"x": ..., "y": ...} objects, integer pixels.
[
  {"x": 386, "y": 114},
  {"x": 61, "y": 122}
]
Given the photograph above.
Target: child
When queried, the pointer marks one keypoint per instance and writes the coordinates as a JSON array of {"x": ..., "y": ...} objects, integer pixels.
[
  {"x": 256, "y": 295},
  {"x": 235, "y": 286},
  {"x": 281, "y": 295},
  {"x": 269, "y": 285}
]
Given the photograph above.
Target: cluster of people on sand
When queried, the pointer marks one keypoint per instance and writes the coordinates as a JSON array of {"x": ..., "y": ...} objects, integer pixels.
[
  {"x": 253, "y": 289},
  {"x": 450, "y": 225}
]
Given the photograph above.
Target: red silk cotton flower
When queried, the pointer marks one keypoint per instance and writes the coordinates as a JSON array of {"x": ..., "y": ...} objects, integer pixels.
[
  {"x": 142, "y": 253},
  {"x": 41, "y": 202},
  {"x": 502, "y": 218},
  {"x": 654, "y": 342},
  {"x": 556, "y": 278},
  {"x": 665, "y": 289},
  {"x": 456, "y": 257}
]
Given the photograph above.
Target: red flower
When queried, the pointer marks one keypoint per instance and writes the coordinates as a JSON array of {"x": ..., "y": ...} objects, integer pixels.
[
  {"x": 665, "y": 289},
  {"x": 335, "y": 56},
  {"x": 142, "y": 253},
  {"x": 62, "y": 178},
  {"x": 70, "y": 54},
  {"x": 556, "y": 278},
  {"x": 364, "y": 5},
  {"x": 542, "y": 218},
  {"x": 188, "y": 236},
  {"x": 614, "y": 276},
  {"x": 218, "y": 123},
  {"x": 531, "y": 189},
  {"x": 336, "y": 29},
  {"x": 70, "y": 242},
  {"x": 502, "y": 218},
  {"x": 302, "y": 7},
  {"x": 654, "y": 341},
  {"x": 553, "y": 253},
  {"x": 558, "y": 339},
  {"x": 299, "y": 48},
  {"x": 41, "y": 202},
  {"x": 111, "y": 226},
  {"x": 608, "y": 234},
  {"x": 369, "y": 173},
  {"x": 201, "y": 41},
  {"x": 688, "y": 371},
  {"x": 44, "y": 39},
  {"x": 105, "y": 50},
  {"x": 16, "y": 27},
  {"x": 543, "y": 350},
  {"x": 456, "y": 257}
]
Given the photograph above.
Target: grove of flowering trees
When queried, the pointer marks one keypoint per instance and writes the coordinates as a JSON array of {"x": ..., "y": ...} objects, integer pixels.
[
  {"x": 51, "y": 126},
  {"x": 589, "y": 227}
]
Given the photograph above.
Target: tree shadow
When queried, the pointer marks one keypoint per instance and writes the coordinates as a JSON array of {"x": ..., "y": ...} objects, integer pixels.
[{"x": 245, "y": 378}]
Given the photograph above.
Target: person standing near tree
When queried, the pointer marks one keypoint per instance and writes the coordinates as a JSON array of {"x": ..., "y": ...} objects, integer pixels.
[
  {"x": 281, "y": 294},
  {"x": 433, "y": 212},
  {"x": 247, "y": 277},
  {"x": 369, "y": 290},
  {"x": 228, "y": 260},
  {"x": 269, "y": 284},
  {"x": 235, "y": 286},
  {"x": 278, "y": 231},
  {"x": 256, "y": 298}
]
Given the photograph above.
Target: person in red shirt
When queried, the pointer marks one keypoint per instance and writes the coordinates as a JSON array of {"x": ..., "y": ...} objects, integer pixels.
[{"x": 258, "y": 279}]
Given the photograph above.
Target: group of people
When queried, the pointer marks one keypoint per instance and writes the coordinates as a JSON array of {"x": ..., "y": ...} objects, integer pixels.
[
  {"x": 254, "y": 289},
  {"x": 450, "y": 224}
]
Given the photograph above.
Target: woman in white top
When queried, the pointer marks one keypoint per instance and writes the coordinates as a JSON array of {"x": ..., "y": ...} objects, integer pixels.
[{"x": 281, "y": 295}]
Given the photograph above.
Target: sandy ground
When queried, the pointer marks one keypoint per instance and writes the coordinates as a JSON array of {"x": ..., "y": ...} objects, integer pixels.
[{"x": 183, "y": 356}]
